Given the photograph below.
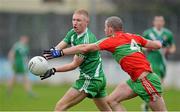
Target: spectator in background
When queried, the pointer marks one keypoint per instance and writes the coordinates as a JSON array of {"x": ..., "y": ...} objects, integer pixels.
[
  {"x": 18, "y": 56},
  {"x": 157, "y": 58}
]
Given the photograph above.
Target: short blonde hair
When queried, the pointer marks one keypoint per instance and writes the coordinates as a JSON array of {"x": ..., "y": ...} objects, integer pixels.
[{"x": 82, "y": 12}]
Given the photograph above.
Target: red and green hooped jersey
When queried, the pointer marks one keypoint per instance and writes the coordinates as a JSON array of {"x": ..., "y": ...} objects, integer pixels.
[{"x": 126, "y": 50}]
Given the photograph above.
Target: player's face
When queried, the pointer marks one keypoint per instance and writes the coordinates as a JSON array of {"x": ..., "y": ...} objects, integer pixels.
[
  {"x": 158, "y": 22},
  {"x": 79, "y": 22},
  {"x": 24, "y": 39}
]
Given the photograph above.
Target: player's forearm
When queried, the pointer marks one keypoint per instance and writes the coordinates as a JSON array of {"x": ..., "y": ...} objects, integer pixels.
[
  {"x": 153, "y": 44},
  {"x": 83, "y": 48},
  {"x": 172, "y": 49},
  {"x": 61, "y": 45},
  {"x": 11, "y": 56},
  {"x": 65, "y": 68},
  {"x": 74, "y": 50}
]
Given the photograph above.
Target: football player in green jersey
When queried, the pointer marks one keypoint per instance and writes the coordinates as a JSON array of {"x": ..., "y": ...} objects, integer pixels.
[
  {"x": 157, "y": 58},
  {"x": 92, "y": 81},
  {"x": 18, "y": 56}
]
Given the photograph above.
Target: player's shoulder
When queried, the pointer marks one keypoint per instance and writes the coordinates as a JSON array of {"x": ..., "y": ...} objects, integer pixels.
[
  {"x": 14, "y": 46},
  {"x": 90, "y": 33},
  {"x": 102, "y": 39},
  {"x": 131, "y": 35},
  {"x": 71, "y": 32},
  {"x": 91, "y": 36},
  {"x": 167, "y": 30},
  {"x": 17, "y": 44},
  {"x": 147, "y": 31}
]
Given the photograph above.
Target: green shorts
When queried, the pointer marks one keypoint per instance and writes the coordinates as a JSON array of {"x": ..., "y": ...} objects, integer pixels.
[
  {"x": 94, "y": 87},
  {"x": 148, "y": 88}
]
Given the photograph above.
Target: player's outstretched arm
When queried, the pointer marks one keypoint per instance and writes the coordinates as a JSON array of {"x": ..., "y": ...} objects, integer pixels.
[
  {"x": 61, "y": 45},
  {"x": 153, "y": 44},
  {"x": 83, "y": 48},
  {"x": 54, "y": 52},
  {"x": 77, "y": 61}
]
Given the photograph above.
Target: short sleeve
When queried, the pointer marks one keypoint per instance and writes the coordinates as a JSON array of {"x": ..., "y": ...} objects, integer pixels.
[
  {"x": 81, "y": 55},
  {"x": 67, "y": 38},
  {"x": 171, "y": 38},
  {"x": 104, "y": 44},
  {"x": 140, "y": 40},
  {"x": 15, "y": 47},
  {"x": 145, "y": 34}
]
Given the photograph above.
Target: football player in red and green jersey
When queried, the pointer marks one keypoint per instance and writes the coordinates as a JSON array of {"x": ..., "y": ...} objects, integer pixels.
[{"x": 126, "y": 50}]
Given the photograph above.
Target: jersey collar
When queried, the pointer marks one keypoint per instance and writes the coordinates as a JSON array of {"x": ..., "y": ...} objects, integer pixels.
[
  {"x": 115, "y": 33},
  {"x": 159, "y": 32},
  {"x": 118, "y": 33},
  {"x": 83, "y": 33}
]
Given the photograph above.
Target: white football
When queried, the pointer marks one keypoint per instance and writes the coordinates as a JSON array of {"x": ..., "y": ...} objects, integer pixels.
[{"x": 38, "y": 65}]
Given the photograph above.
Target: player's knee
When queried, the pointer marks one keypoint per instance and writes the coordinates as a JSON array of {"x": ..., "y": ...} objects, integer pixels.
[
  {"x": 60, "y": 106},
  {"x": 112, "y": 102}
]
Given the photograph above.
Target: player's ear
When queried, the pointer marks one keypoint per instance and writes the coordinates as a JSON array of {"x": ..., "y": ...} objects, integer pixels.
[
  {"x": 87, "y": 20},
  {"x": 111, "y": 30}
]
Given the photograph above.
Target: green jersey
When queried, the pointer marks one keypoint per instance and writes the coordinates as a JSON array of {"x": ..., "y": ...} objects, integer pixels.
[
  {"x": 20, "y": 57},
  {"x": 92, "y": 65},
  {"x": 156, "y": 57},
  {"x": 163, "y": 34}
]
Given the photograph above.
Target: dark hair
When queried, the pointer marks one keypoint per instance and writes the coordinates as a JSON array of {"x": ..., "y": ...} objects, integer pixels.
[
  {"x": 159, "y": 16},
  {"x": 115, "y": 22}
]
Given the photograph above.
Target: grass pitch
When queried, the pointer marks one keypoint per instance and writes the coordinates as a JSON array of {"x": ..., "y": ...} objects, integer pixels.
[{"x": 48, "y": 95}]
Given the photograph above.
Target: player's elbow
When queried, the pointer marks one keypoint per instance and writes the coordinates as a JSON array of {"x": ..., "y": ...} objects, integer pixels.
[
  {"x": 80, "y": 49},
  {"x": 84, "y": 48},
  {"x": 73, "y": 65}
]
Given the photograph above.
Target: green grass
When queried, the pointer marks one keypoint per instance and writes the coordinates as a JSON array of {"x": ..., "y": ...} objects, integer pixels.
[{"x": 48, "y": 95}]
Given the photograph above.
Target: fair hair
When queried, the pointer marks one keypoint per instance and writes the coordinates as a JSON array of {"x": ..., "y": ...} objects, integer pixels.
[{"x": 82, "y": 12}]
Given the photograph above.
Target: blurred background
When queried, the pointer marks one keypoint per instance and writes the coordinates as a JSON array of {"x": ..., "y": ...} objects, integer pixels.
[{"x": 46, "y": 22}]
